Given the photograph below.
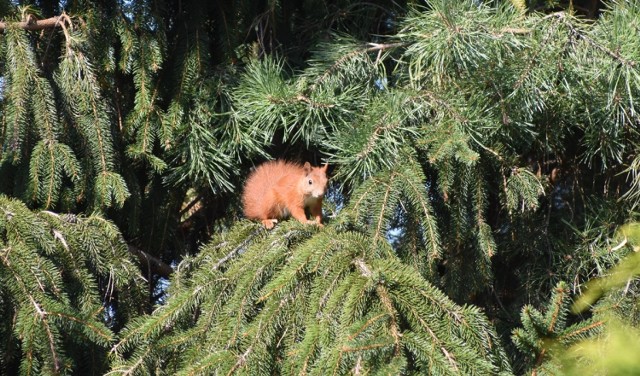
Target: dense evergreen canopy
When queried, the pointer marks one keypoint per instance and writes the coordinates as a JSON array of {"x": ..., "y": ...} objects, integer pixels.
[{"x": 483, "y": 159}]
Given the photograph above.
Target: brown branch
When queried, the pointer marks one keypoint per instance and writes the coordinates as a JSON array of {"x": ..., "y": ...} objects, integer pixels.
[
  {"x": 32, "y": 24},
  {"x": 154, "y": 264}
]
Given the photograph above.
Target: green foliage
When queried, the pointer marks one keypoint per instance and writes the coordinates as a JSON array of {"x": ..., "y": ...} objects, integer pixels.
[
  {"x": 57, "y": 276},
  {"x": 604, "y": 344},
  {"x": 199, "y": 155},
  {"x": 80, "y": 92},
  {"x": 142, "y": 57},
  {"x": 480, "y": 154},
  {"x": 375, "y": 206},
  {"x": 613, "y": 353},
  {"x": 377, "y": 138},
  {"x": 522, "y": 190},
  {"x": 543, "y": 336},
  {"x": 19, "y": 80},
  {"x": 618, "y": 276},
  {"x": 50, "y": 159},
  {"x": 301, "y": 301}
]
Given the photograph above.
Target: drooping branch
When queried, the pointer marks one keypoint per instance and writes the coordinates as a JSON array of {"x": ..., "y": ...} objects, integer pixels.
[{"x": 31, "y": 23}]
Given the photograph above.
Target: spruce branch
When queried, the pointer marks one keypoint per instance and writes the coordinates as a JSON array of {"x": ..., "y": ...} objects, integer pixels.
[
  {"x": 46, "y": 258},
  {"x": 544, "y": 337},
  {"x": 334, "y": 305}
]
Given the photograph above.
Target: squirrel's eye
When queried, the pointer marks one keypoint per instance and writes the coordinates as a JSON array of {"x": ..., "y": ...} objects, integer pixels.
[{"x": 310, "y": 182}]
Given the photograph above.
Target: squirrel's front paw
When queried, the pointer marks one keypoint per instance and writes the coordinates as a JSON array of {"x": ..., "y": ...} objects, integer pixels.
[{"x": 269, "y": 223}]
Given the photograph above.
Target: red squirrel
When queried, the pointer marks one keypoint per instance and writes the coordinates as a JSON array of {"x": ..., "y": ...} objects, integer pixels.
[{"x": 279, "y": 189}]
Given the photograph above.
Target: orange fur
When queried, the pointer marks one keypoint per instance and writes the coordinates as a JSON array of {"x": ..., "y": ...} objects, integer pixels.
[{"x": 279, "y": 189}]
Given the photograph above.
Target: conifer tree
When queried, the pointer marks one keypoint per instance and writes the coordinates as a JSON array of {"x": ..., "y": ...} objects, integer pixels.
[{"x": 482, "y": 156}]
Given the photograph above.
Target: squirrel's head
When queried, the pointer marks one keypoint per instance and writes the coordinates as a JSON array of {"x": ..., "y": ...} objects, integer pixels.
[{"x": 314, "y": 183}]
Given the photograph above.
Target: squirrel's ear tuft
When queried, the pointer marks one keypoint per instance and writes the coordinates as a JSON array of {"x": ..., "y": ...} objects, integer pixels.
[
  {"x": 307, "y": 168},
  {"x": 324, "y": 168}
]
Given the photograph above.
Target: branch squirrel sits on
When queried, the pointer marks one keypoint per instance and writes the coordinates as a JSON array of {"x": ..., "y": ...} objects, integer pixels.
[{"x": 279, "y": 189}]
